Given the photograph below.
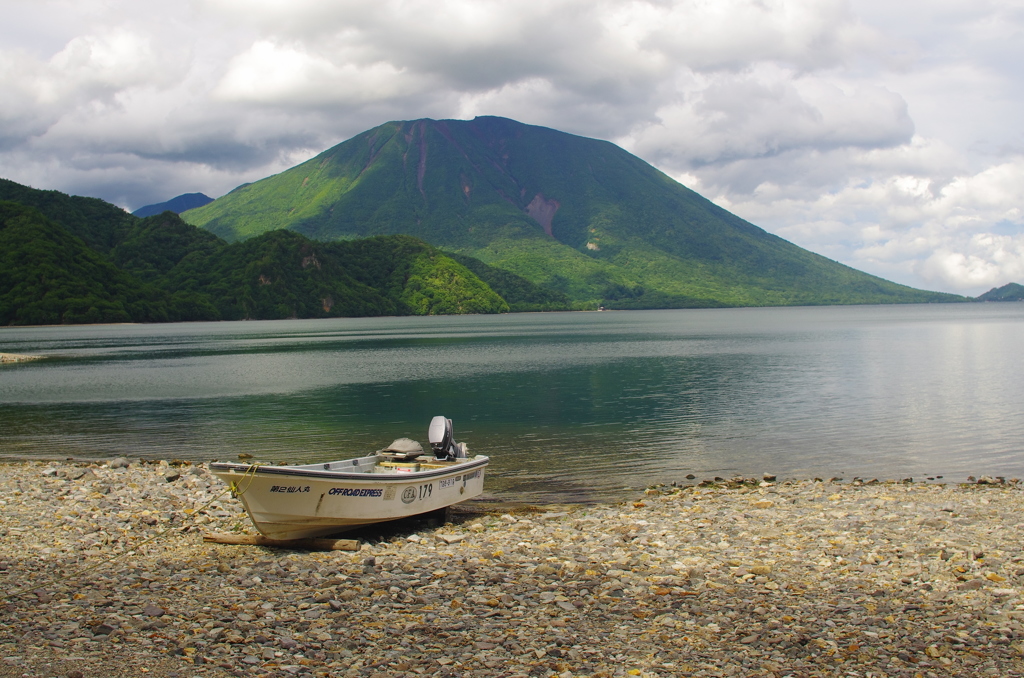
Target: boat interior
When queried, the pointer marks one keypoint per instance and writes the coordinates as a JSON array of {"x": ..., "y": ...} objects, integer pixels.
[
  {"x": 403, "y": 455},
  {"x": 382, "y": 463}
]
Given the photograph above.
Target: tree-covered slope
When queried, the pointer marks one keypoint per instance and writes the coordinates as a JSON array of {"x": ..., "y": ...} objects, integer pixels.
[
  {"x": 520, "y": 294},
  {"x": 153, "y": 246},
  {"x": 49, "y": 276},
  {"x": 162, "y": 269},
  {"x": 97, "y": 222},
  {"x": 574, "y": 215},
  {"x": 1008, "y": 292},
  {"x": 285, "y": 275}
]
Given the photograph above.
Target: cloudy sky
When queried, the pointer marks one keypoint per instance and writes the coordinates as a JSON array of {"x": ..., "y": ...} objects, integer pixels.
[{"x": 886, "y": 135}]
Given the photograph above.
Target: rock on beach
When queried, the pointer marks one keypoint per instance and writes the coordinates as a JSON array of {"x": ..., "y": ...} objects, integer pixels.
[{"x": 776, "y": 579}]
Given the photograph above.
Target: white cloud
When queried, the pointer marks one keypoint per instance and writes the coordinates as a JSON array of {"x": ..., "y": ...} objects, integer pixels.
[
  {"x": 983, "y": 262},
  {"x": 110, "y": 62},
  {"x": 288, "y": 75},
  {"x": 962, "y": 233},
  {"x": 767, "y": 111},
  {"x": 885, "y": 135}
]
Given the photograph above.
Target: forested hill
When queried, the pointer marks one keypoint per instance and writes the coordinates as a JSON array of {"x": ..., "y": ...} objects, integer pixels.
[
  {"x": 1008, "y": 292},
  {"x": 97, "y": 222},
  {"x": 577, "y": 216},
  {"x": 49, "y": 276},
  {"x": 66, "y": 259}
]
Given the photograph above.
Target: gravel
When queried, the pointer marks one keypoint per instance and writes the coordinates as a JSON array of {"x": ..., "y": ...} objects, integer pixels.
[{"x": 736, "y": 578}]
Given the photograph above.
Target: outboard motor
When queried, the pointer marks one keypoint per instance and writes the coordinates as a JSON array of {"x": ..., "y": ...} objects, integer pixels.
[{"x": 441, "y": 437}]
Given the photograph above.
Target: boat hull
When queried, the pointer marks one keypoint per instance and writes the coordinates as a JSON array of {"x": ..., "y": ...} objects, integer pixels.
[{"x": 299, "y": 502}]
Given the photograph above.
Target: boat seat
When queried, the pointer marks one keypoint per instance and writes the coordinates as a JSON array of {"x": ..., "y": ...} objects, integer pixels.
[{"x": 393, "y": 467}]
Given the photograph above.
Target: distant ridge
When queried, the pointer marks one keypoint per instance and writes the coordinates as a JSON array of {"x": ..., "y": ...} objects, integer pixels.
[
  {"x": 186, "y": 201},
  {"x": 1008, "y": 292},
  {"x": 578, "y": 217}
]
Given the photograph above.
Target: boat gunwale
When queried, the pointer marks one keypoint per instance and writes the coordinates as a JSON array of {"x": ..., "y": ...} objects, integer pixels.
[{"x": 376, "y": 478}]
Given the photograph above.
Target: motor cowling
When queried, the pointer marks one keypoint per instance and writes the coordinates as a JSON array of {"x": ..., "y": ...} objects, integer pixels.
[{"x": 441, "y": 436}]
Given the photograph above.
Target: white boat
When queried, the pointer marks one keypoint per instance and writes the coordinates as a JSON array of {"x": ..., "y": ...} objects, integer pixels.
[{"x": 316, "y": 500}]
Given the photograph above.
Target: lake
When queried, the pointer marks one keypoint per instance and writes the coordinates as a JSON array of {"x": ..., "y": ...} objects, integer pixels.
[{"x": 570, "y": 406}]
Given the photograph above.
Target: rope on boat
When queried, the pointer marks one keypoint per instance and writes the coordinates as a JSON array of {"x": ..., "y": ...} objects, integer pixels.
[
  {"x": 250, "y": 473},
  {"x": 235, "y": 492}
]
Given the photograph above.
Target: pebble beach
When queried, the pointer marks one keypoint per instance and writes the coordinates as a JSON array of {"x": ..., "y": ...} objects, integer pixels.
[{"x": 104, "y": 572}]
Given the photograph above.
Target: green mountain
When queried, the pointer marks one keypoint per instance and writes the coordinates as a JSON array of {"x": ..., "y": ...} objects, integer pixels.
[
  {"x": 65, "y": 259},
  {"x": 49, "y": 276},
  {"x": 285, "y": 275},
  {"x": 575, "y": 216},
  {"x": 1008, "y": 292},
  {"x": 97, "y": 222},
  {"x": 521, "y": 294}
]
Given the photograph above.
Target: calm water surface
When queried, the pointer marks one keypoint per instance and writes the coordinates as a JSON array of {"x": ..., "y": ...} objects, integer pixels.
[{"x": 570, "y": 406}]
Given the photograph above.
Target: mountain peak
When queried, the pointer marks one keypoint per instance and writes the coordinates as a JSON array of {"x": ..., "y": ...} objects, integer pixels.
[
  {"x": 579, "y": 216},
  {"x": 179, "y": 204}
]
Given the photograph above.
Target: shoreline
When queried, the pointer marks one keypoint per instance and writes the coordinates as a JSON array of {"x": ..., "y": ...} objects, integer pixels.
[
  {"x": 608, "y": 496},
  {"x": 797, "y": 578},
  {"x": 602, "y": 309}
]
